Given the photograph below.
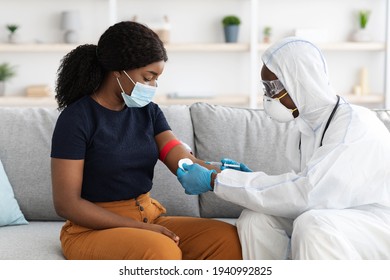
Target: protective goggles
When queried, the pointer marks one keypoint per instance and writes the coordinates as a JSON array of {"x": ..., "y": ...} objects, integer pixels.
[{"x": 272, "y": 88}]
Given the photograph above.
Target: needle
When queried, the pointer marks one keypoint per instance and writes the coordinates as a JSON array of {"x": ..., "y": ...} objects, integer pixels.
[{"x": 217, "y": 163}]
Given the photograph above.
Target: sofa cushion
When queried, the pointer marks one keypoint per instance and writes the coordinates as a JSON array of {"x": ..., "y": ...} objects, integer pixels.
[
  {"x": 245, "y": 135},
  {"x": 25, "y": 140},
  {"x": 167, "y": 188},
  {"x": 10, "y": 213},
  {"x": 35, "y": 241}
]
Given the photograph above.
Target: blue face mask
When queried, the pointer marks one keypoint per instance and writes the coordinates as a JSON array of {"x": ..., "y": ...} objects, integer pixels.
[{"x": 141, "y": 95}]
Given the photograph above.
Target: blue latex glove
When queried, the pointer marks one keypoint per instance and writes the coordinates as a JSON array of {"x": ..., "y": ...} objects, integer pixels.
[
  {"x": 243, "y": 167},
  {"x": 195, "y": 179}
]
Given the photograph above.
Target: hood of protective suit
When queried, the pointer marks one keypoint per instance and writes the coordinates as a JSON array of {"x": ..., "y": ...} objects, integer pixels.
[{"x": 302, "y": 69}]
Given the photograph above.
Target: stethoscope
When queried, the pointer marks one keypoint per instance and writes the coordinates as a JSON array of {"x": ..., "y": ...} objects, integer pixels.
[
  {"x": 330, "y": 118},
  {"x": 328, "y": 122}
]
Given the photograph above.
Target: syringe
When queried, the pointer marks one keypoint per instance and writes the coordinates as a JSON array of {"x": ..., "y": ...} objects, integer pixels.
[{"x": 218, "y": 163}]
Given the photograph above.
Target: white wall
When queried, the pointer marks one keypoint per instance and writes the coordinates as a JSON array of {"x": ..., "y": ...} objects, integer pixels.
[{"x": 195, "y": 21}]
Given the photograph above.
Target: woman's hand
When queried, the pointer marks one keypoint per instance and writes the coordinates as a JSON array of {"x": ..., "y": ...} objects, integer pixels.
[{"x": 162, "y": 230}]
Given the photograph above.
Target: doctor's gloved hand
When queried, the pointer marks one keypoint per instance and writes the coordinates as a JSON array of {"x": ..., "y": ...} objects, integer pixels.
[
  {"x": 232, "y": 164},
  {"x": 195, "y": 179}
]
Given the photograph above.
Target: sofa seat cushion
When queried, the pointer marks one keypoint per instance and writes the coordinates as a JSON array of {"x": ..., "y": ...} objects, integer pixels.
[{"x": 35, "y": 241}]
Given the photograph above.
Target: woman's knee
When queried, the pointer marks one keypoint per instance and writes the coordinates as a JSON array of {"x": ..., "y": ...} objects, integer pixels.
[
  {"x": 161, "y": 248},
  {"x": 203, "y": 238},
  {"x": 124, "y": 243},
  {"x": 150, "y": 245},
  {"x": 225, "y": 244}
]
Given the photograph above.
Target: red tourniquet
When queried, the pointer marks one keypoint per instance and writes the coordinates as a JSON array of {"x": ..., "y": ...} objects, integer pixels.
[{"x": 167, "y": 148}]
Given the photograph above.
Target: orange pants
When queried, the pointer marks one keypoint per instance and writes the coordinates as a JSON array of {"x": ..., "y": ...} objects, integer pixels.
[{"x": 200, "y": 238}]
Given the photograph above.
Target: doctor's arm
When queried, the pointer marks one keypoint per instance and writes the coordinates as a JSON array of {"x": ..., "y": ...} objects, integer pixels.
[{"x": 325, "y": 182}]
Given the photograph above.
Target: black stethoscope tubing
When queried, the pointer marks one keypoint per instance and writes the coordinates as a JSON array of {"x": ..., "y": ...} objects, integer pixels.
[
  {"x": 330, "y": 118},
  {"x": 328, "y": 122}
]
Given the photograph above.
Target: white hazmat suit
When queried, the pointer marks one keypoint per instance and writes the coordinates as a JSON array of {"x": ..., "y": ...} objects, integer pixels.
[{"x": 337, "y": 204}]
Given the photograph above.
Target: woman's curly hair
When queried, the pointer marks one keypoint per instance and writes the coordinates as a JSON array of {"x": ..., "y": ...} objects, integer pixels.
[{"x": 126, "y": 45}]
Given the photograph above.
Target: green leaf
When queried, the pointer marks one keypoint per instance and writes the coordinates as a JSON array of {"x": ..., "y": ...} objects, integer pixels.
[
  {"x": 231, "y": 20},
  {"x": 6, "y": 71}
]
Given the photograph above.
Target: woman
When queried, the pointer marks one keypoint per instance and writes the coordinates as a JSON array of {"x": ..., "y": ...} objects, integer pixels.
[{"x": 105, "y": 145}]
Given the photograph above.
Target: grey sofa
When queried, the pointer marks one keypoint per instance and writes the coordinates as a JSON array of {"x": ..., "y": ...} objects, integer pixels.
[{"x": 213, "y": 132}]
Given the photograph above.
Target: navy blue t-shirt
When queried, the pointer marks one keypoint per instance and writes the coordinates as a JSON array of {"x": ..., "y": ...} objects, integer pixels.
[{"x": 118, "y": 148}]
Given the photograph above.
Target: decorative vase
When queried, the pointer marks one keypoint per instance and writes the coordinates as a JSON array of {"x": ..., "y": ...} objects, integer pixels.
[
  {"x": 71, "y": 37},
  {"x": 361, "y": 35},
  {"x": 231, "y": 33},
  {"x": 12, "y": 38},
  {"x": 70, "y": 23}
]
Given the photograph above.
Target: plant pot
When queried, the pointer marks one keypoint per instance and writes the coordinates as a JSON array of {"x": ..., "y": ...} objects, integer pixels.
[
  {"x": 231, "y": 33},
  {"x": 361, "y": 35},
  {"x": 2, "y": 88},
  {"x": 13, "y": 38}
]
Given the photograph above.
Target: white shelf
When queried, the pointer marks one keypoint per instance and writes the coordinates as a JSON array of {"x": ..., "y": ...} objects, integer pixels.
[
  {"x": 193, "y": 47},
  {"x": 353, "y": 46},
  {"x": 23, "y": 101},
  {"x": 224, "y": 47},
  {"x": 343, "y": 46},
  {"x": 36, "y": 47},
  {"x": 364, "y": 99}
]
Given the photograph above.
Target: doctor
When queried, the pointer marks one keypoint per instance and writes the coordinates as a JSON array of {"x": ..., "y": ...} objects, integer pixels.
[{"x": 337, "y": 204}]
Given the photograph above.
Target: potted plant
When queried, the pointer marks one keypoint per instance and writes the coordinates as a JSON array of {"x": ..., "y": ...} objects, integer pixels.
[
  {"x": 231, "y": 27},
  {"x": 12, "y": 28},
  {"x": 6, "y": 73},
  {"x": 361, "y": 34},
  {"x": 267, "y": 32}
]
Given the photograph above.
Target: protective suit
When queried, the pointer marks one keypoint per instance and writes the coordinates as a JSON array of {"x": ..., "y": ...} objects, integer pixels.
[{"x": 337, "y": 204}]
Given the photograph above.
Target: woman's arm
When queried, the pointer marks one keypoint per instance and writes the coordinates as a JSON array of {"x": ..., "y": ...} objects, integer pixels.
[
  {"x": 67, "y": 176},
  {"x": 177, "y": 152}
]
